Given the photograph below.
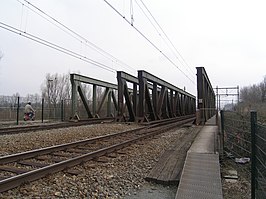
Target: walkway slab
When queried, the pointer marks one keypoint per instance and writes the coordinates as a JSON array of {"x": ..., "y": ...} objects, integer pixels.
[
  {"x": 205, "y": 141},
  {"x": 201, "y": 177}
]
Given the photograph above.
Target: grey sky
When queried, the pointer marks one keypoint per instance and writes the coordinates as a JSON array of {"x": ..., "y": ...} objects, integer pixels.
[{"x": 226, "y": 37}]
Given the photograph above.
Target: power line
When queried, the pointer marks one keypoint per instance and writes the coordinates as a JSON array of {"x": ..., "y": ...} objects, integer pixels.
[
  {"x": 76, "y": 35},
  {"x": 156, "y": 29},
  {"x": 166, "y": 37},
  {"x": 55, "y": 47},
  {"x": 148, "y": 19},
  {"x": 148, "y": 40}
]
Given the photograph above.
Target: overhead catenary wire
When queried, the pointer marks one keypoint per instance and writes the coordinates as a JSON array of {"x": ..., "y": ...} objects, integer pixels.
[
  {"x": 158, "y": 32},
  {"x": 160, "y": 35},
  {"x": 76, "y": 35},
  {"x": 146, "y": 38},
  {"x": 166, "y": 37},
  {"x": 55, "y": 47}
]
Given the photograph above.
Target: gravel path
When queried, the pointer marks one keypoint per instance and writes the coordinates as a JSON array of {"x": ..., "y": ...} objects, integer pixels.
[{"x": 106, "y": 178}]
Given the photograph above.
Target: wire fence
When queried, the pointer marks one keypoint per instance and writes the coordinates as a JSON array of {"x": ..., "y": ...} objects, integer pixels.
[
  {"x": 45, "y": 111},
  {"x": 14, "y": 113},
  {"x": 260, "y": 161},
  {"x": 244, "y": 142}
]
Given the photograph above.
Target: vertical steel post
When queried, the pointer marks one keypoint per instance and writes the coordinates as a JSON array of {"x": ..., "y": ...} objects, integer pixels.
[
  {"x": 219, "y": 102},
  {"x": 18, "y": 112},
  {"x": 253, "y": 121},
  {"x": 155, "y": 99},
  {"x": 200, "y": 88},
  {"x": 120, "y": 103},
  {"x": 217, "y": 97},
  {"x": 238, "y": 96},
  {"x": 135, "y": 98},
  {"x": 74, "y": 96},
  {"x": 94, "y": 99},
  {"x": 42, "y": 108},
  {"x": 62, "y": 110},
  {"x": 171, "y": 114},
  {"x": 142, "y": 108},
  {"x": 109, "y": 104},
  {"x": 222, "y": 133}
]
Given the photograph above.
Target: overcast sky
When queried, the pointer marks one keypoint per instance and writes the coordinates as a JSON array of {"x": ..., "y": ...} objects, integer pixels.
[{"x": 226, "y": 37}]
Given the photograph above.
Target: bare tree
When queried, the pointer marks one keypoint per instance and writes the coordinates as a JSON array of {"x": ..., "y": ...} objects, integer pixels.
[
  {"x": 254, "y": 93},
  {"x": 34, "y": 98},
  {"x": 99, "y": 94},
  {"x": 1, "y": 55},
  {"x": 56, "y": 88},
  {"x": 263, "y": 89},
  {"x": 86, "y": 89},
  {"x": 14, "y": 100}
]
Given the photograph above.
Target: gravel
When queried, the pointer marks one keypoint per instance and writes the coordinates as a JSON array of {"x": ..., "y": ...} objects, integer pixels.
[
  {"x": 119, "y": 176},
  {"x": 108, "y": 177},
  {"x": 32, "y": 140}
]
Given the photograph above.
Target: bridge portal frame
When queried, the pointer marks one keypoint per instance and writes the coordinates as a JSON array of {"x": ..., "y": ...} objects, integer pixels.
[{"x": 206, "y": 96}]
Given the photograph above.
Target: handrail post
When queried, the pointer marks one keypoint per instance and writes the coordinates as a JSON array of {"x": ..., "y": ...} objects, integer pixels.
[
  {"x": 18, "y": 112},
  {"x": 62, "y": 110},
  {"x": 222, "y": 132},
  {"x": 42, "y": 108}
]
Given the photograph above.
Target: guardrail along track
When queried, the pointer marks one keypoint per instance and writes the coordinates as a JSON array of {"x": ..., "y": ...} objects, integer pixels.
[
  {"x": 32, "y": 165},
  {"x": 22, "y": 129}
]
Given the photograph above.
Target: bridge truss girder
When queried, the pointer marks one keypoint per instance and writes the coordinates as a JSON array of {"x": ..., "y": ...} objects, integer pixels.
[
  {"x": 154, "y": 99},
  {"x": 149, "y": 98},
  {"x": 108, "y": 95}
]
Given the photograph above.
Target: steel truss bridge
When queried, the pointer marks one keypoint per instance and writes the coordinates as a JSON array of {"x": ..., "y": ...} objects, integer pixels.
[{"x": 144, "y": 98}]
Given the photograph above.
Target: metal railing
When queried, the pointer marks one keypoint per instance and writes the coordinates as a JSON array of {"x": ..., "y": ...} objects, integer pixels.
[{"x": 244, "y": 139}]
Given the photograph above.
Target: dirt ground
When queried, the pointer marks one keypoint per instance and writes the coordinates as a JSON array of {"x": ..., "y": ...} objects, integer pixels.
[
  {"x": 239, "y": 188},
  {"x": 154, "y": 191}
]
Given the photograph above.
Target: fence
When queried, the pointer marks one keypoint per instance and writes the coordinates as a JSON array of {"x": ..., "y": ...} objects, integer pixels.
[
  {"x": 244, "y": 139},
  {"x": 45, "y": 111}
]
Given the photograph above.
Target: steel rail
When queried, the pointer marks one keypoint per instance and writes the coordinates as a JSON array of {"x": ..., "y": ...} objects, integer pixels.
[
  {"x": 171, "y": 119},
  {"x": 21, "y": 129},
  {"x": 29, "y": 176},
  {"x": 43, "y": 151},
  {"x": 46, "y": 150}
]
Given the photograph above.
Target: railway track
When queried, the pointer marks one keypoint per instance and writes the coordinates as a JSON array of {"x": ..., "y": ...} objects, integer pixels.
[
  {"x": 23, "y": 129},
  {"x": 28, "y": 166}
]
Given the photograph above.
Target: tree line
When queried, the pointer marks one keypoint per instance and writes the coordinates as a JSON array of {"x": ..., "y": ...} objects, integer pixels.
[
  {"x": 254, "y": 98},
  {"x": 55, "y": 88},
  {"x": 255, "y": 93}
]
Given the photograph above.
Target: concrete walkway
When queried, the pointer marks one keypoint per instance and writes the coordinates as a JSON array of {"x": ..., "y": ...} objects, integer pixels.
[{"x": 201, "y": 177}]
